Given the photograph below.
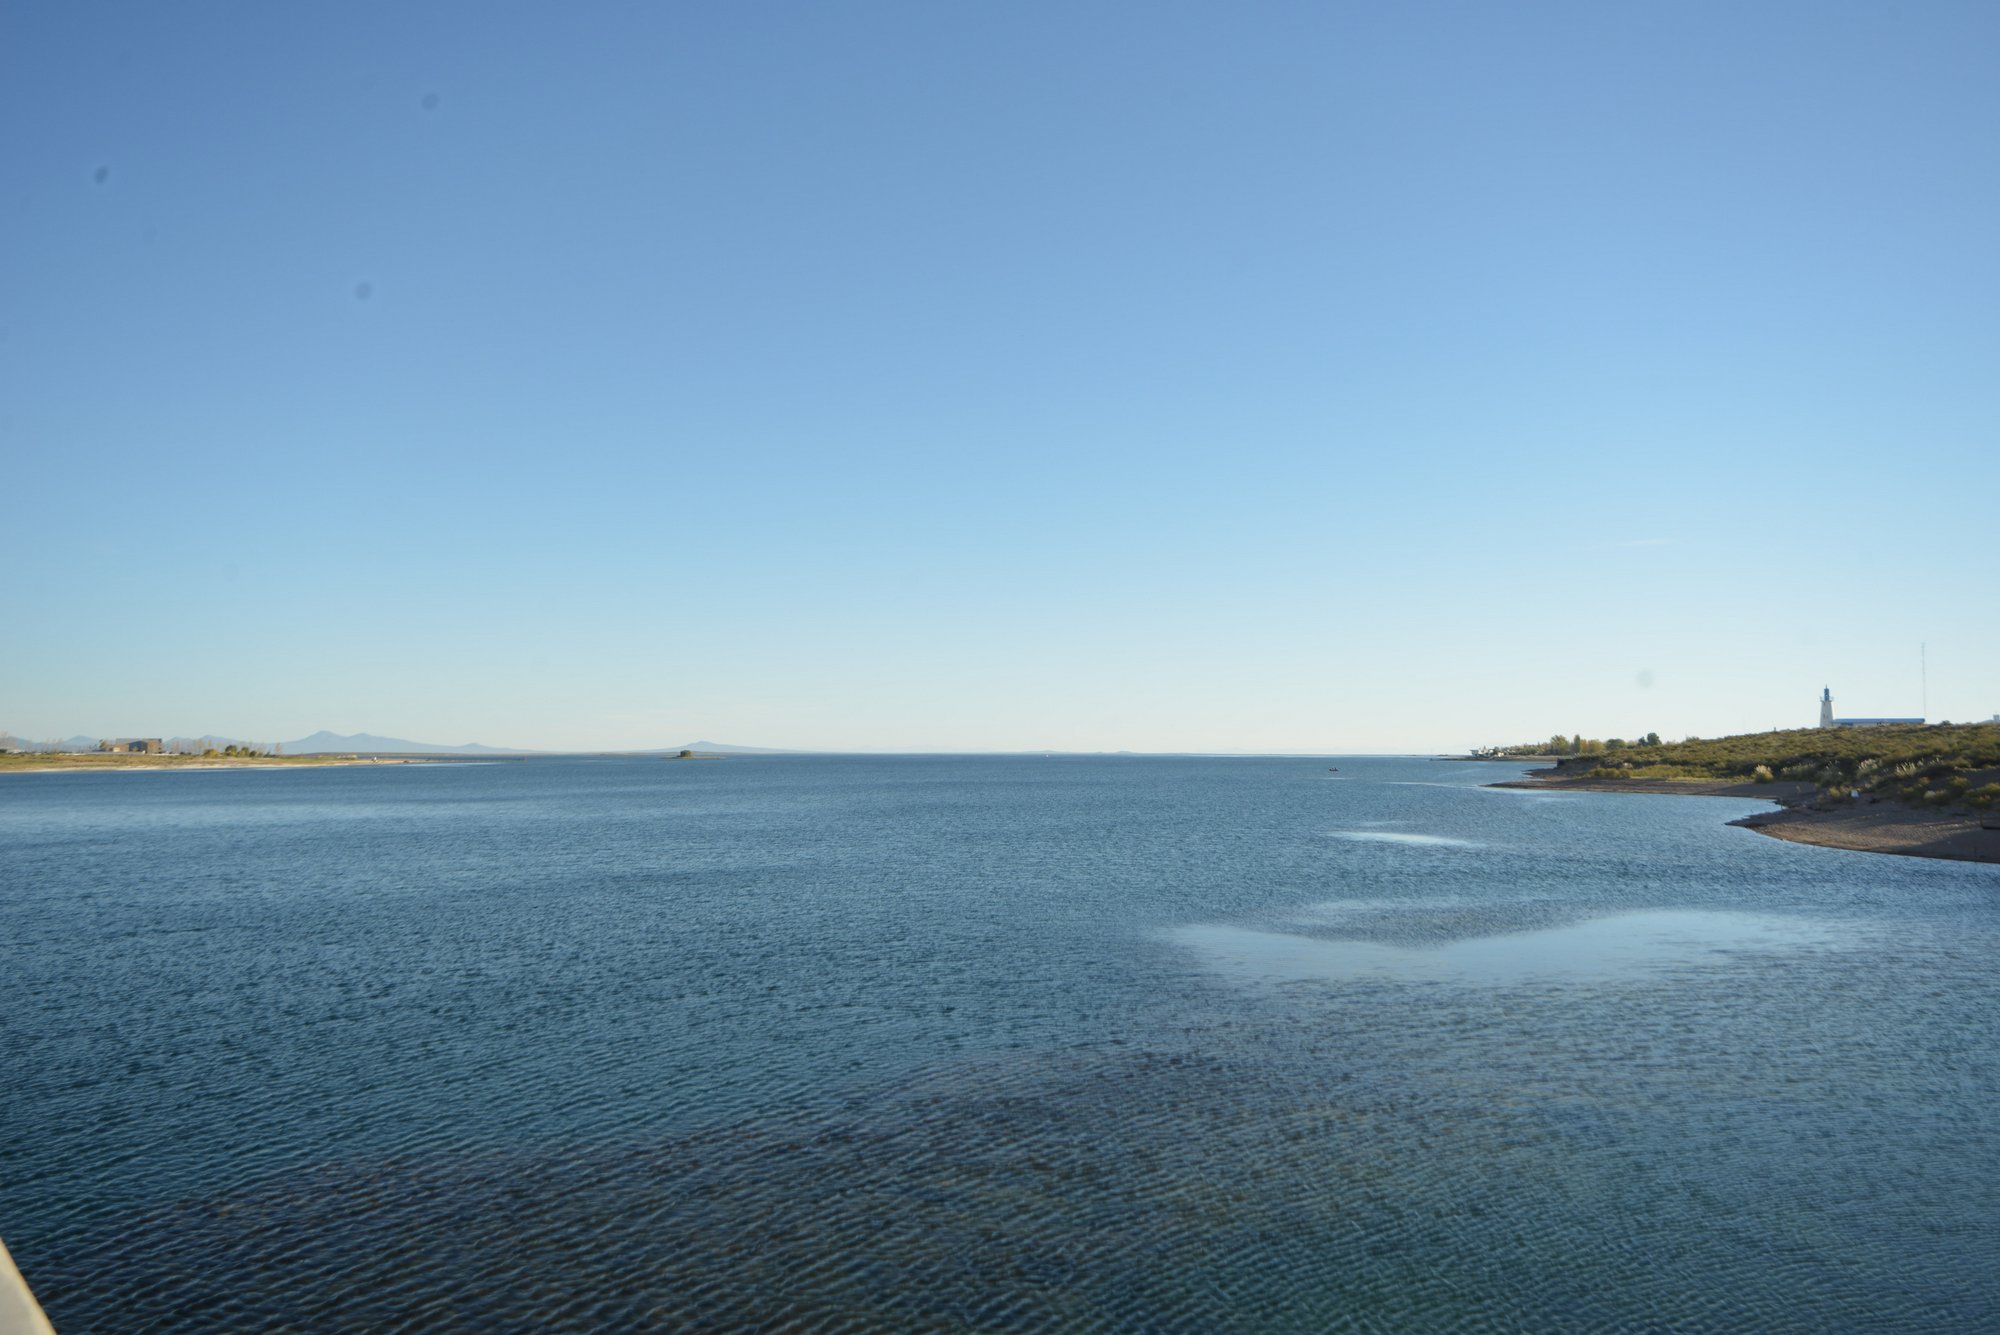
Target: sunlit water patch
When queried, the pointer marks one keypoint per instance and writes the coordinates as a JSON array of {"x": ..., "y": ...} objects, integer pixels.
[
  {"x": 1408, "y": 838},
  {"x": 1601, "y": 948}
]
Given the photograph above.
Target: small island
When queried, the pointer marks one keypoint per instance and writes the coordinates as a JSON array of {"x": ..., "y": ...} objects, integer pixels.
[{"x": 1923, "y": 790}]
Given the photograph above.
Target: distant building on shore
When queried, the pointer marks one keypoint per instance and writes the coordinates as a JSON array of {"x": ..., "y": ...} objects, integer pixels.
[{"x": 1827, "y": 720}]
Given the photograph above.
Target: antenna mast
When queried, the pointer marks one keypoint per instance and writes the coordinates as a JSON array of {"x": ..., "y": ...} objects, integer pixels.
[{"x": 1924, "y": 667}]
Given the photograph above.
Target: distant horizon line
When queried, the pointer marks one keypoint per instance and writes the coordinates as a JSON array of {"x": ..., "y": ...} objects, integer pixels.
[{"x": 327, "y": 742}]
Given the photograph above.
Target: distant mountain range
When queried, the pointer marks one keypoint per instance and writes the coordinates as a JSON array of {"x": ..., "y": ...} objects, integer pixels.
[
  {"x": 320, "y": 743},
  {"x": 362, "y": 743},
  {"x": 323, "y": 742},
  {"x": 9, "y": 742}
]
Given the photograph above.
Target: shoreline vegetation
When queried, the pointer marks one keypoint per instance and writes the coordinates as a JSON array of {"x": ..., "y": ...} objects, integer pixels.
[
  {"x": 99, "y": 762},
  {"x": 1920, "y": 790}
]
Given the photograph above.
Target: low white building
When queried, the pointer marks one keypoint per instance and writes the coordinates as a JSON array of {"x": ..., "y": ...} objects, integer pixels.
[{"x": 1827, "y": 720}]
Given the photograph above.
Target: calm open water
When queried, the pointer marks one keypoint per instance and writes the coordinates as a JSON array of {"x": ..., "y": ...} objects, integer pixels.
[{"x": 981, "y": 1043}]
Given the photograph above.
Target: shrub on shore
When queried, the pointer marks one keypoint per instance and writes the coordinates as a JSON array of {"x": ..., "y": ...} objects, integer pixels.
[{"x": 1907, "y": 763}]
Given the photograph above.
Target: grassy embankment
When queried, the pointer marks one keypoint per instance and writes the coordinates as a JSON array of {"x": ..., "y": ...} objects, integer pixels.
[{"x": 1941, "y": 766}]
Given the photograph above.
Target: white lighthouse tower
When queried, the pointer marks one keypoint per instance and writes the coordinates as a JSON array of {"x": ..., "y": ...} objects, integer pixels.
[{"x": 1826, "y": 707}]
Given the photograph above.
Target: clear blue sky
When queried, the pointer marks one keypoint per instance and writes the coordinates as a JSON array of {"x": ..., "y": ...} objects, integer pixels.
[{"x": 911, "y": 376}]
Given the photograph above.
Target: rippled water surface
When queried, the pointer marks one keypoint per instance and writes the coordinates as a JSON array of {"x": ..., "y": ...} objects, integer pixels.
[{"x": 990, "y": 1043}]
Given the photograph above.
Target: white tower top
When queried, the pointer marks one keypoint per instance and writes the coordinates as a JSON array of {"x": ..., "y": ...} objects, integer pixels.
[{"x": 1826, "y": 707}]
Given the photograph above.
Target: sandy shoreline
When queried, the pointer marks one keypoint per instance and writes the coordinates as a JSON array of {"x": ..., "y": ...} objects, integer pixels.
[
  {"x": 110, "y": 765},
  {"x": 1864, "y": 827}
]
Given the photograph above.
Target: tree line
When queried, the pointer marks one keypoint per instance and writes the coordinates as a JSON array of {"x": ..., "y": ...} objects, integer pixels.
[{"x": 1564, "y": 745}]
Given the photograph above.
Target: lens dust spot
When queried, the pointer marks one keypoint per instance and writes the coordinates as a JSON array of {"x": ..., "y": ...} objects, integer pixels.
[
  {"x": 101, "y": 175},
  {"x": 430, "y": 101},
  {"x": 363, "y": 291}
]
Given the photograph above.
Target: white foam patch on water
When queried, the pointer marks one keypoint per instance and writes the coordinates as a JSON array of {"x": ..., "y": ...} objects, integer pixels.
[
  {"x": 1336, "y": 910},
  {"x": 1623, "y": 945},
  {"x": 1401, "y": 837}
]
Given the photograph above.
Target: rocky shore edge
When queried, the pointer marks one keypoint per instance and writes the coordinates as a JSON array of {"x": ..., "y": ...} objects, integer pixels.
[{"x": 1803, "y": 816}]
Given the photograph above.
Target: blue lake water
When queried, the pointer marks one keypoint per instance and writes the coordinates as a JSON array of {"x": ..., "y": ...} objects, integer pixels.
[{"x": 981, "y": 1043}]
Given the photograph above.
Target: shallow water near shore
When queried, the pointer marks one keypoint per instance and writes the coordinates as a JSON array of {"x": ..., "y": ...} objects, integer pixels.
[{"x": 981, "y": 1043}]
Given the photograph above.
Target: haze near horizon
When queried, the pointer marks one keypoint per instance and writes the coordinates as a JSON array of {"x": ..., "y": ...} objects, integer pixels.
[{"x": 1282, "y": 378}]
